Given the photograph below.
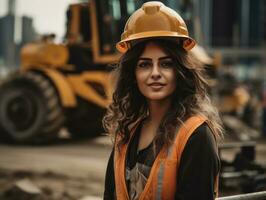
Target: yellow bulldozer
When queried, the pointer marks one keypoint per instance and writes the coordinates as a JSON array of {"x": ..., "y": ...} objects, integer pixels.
[{"x": 67, "y": 84}]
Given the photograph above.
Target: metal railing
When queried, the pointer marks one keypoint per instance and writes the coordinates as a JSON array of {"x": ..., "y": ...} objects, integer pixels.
[{"x": 248, "y": 196}]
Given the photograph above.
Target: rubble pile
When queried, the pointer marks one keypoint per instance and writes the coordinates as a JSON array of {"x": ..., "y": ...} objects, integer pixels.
[{"x": 24, "y": 185}]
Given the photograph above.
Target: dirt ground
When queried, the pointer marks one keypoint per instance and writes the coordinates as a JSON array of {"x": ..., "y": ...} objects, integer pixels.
[
  {"x": 63, "y": 171},
  {"x": 53, "y": 186}
]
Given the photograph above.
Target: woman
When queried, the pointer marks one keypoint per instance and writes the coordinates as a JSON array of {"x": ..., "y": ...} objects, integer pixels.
[{"x": 164, "y": 126}]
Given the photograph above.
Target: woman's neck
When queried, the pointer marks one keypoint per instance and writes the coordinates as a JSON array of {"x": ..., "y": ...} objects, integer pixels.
[{"x": 157, "y": 110}]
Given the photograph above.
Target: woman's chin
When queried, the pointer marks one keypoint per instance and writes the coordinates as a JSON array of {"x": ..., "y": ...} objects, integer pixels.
[{"x": 157, "y": 97}]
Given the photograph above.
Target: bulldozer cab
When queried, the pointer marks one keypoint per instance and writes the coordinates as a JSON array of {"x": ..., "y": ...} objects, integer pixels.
[{"x": 97, "y": 25}]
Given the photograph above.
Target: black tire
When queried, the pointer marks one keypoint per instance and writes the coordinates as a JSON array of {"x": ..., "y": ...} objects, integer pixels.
[
  {"x": 85, "y": 121},
  {"x": 30, "y": 109}
]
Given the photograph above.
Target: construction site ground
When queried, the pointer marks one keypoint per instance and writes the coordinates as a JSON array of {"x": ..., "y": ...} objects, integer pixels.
[{"x": 67, "y": 169}]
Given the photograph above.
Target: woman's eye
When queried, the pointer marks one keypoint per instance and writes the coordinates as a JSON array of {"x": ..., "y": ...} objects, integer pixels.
[
  {"x": 167, "y": 64},
  {"x": 144, "y": 64}
]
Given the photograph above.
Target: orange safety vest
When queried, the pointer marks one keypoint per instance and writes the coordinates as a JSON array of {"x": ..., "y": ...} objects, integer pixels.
[{"x": 161, "y": 183}]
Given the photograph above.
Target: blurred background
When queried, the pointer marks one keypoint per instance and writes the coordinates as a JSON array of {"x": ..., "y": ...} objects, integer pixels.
[{"x": 55, "y": 85}]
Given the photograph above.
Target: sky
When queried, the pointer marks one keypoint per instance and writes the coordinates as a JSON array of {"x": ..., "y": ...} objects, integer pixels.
[{"x": 49, "y": 15}]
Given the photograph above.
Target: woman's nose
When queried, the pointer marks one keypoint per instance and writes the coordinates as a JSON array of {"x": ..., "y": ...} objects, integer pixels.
[{"x": 155, "y": 74}]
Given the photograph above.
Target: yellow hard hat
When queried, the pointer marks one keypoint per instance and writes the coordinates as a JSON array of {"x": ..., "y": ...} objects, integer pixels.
[{"x": 154, "y": 19}]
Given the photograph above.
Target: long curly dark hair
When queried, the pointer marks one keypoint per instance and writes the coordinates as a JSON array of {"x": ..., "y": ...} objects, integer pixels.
[{"x": 189, "y": 98}]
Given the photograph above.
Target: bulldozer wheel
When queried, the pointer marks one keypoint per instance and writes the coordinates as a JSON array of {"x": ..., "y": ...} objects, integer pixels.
[
  {"x": 30, "y": 109},
  {"x": 85, "y": 121}
]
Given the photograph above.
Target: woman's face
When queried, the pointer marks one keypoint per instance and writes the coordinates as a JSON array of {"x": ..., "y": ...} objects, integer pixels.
[{"x": 155, "y": 73}]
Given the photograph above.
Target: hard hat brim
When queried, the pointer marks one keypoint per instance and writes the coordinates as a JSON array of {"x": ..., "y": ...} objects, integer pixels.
[{"x": 124, "y": 45}]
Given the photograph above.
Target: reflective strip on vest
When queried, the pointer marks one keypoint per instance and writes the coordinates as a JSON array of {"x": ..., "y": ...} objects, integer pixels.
[{"x": 160, "y": 181}]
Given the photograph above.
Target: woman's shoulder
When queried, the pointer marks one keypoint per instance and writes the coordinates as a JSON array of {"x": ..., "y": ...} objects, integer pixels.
[
  {"x": 203, "y": 135},
  {"x": 202, "y": 145}
]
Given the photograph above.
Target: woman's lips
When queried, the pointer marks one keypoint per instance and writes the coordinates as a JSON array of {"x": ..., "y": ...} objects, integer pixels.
[{"x": 156, "y": 85}]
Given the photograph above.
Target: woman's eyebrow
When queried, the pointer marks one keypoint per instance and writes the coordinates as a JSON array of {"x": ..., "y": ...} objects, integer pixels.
[
  {"x": 165, "y": 57},
  {"x": 161, "y": 58},
  {"x": 142, "y": 58}
]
